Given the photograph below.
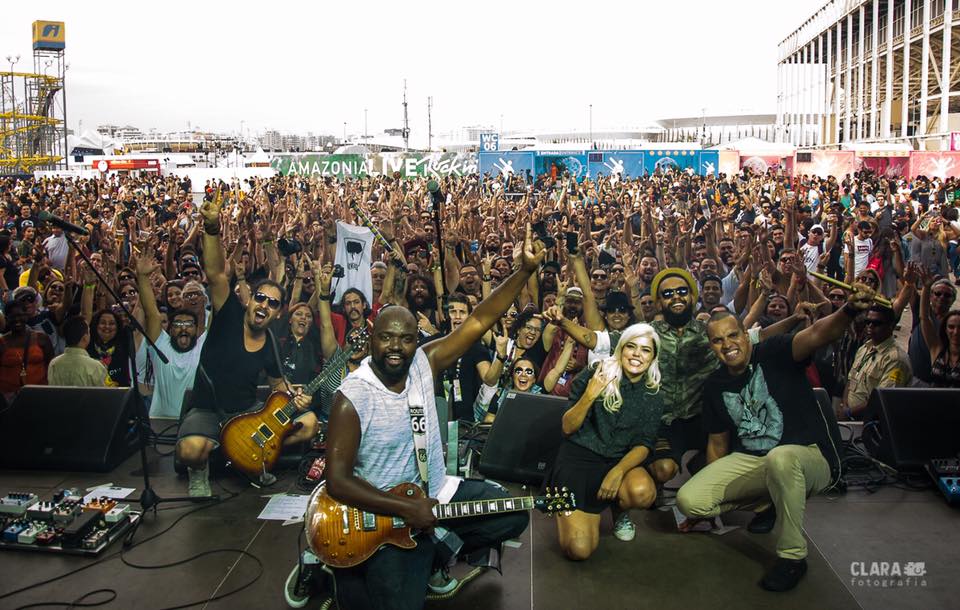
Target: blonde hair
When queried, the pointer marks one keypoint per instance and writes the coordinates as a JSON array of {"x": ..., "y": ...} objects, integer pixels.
[{"x": 613, "y": 370}]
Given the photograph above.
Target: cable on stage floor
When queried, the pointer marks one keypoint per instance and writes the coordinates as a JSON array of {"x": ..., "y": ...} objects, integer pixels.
[{"x": 79, "y": 603}]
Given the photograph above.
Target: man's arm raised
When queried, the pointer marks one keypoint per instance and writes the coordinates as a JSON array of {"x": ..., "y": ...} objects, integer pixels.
[
  {"x": 444, "y": 352},
  {"x": 214, "y": 265}
]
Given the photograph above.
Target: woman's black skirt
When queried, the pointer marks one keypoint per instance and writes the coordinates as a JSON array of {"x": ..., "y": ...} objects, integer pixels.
[{"x": 581, "y": 471}]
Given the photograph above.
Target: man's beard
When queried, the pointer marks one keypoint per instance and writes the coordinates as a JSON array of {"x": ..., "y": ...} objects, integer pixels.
[
  {"x": 178, "y": 349},
  {"x": 677, "y": 320}
]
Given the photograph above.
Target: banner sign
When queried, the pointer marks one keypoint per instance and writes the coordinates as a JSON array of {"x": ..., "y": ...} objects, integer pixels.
[
  {"x": 506, "y": 163},
  {"x": 626, "y": 164},
  {"x": 489, "y": 142},
  {"x": 561, "y": 163},
  {"x": 410, "y": 165}
]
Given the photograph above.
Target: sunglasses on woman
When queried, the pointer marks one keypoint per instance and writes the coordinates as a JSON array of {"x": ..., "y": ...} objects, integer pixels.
[{"x": 272, "y": 302}]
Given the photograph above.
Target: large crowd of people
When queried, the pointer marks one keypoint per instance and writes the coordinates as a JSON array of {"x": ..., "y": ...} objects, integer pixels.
[{"x": 651, "y": 303}]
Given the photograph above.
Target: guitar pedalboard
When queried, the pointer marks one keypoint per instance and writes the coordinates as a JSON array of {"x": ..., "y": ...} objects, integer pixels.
[{"x": 63, "y": 524}]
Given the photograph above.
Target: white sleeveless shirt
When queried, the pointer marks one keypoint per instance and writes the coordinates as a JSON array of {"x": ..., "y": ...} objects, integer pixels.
[{"x": 385, "y": 457}]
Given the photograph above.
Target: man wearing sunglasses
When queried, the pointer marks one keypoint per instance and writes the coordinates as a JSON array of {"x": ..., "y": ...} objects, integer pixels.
[
  {"x": 685, "y": 363},
  {"x": 371, "y": 449},
  {"x": 879, "y": 363},
  {"x": 237, "y": 350}
]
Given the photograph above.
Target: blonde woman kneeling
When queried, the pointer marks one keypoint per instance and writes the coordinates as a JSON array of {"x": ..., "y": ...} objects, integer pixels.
[{"x": 610, "y": 430}]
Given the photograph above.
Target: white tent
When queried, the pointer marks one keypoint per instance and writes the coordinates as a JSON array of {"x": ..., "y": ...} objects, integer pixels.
[
  {"x": 258, "y": 157},
  {"x": 748, "y": 147},
  {"x": 92, "y": 141},
  {"x": 894, "y": 148}
]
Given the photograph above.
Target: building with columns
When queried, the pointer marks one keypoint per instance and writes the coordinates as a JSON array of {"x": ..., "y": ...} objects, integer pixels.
[{"x": 871, "y": 71}]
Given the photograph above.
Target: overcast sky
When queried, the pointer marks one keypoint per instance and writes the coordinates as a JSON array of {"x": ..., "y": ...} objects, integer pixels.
[{"x": 311, "y": 66}]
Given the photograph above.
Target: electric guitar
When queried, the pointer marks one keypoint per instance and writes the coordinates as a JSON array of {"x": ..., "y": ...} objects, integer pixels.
[
  {"x": 343, "y": 537},
  {"x": 252, "y": 442}
]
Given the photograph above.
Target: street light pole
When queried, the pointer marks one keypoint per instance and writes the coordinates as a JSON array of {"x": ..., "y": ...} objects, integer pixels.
[{"x": 591, "y": 126}]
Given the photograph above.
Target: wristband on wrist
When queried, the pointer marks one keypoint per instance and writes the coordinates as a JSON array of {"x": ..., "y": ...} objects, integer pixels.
[
  {"x": 325, "y": 297},
  {"x": 211, "y": 229},
  {"x": 90, "y": 285},
  {"x": 487, "y": 278}
]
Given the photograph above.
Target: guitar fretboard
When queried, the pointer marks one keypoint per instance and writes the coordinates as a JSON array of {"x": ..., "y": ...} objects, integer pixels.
[
  {"x": 471, "y": 508},
  {"x": 339, "y": 359}
]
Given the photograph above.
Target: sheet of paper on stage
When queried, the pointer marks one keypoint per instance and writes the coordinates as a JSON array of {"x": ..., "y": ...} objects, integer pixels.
[
  {"x": 285, "y": 507},
  {"x": 116, "y": 493}
]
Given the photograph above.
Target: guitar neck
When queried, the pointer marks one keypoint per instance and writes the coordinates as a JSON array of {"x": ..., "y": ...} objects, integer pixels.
[
  {"x": 339, "y": 359},
  {"x": 471, "y": 508},
  {"x": 335, "y": 363}
]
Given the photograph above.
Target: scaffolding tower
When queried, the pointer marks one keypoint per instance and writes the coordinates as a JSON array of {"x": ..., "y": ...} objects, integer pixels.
[{"x": 33, "y": 112}]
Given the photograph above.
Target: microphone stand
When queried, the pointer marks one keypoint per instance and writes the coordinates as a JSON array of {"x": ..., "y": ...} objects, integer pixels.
[
  {"x": 148, "y": 498},
  {"x": 436, "y": 196}
]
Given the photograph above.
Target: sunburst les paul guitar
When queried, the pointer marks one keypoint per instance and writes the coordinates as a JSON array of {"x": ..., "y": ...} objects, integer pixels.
[
  {"x": 252, "y": 442},
  {"x": 343, "y": 537}
]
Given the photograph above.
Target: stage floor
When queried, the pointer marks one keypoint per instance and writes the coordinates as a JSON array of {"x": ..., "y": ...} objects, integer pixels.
[{"x": 659, "y": 568}]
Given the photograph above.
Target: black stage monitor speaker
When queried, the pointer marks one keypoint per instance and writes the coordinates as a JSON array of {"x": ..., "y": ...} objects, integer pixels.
[
  {"x": 75, "y": 429},
  {"x": 525, "y": 438},
  {"x": 905, "y": 427}
]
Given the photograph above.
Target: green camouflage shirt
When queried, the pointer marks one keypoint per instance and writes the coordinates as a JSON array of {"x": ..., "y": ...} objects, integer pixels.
[{"x": 686, "y": 361}]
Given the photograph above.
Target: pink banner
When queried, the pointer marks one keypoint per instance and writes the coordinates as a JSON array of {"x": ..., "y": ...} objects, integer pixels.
[
  {"x": 824, "y": 163},
  {"x": 891, "y": 167},
  {"x": 955, "y": 140},
  {"x": 729, "y": 162},
  {"x": 759, "y": 164},
  {"x": 934, "y": 164}
]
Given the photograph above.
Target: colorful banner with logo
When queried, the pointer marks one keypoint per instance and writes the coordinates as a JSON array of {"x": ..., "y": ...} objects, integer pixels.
[
  {"x": 672, "y": 159},
  {"x": 506, "y": 163},
  {"x": 560, "y": 163},
  {"x": 409, "y": 165},
  {"x": 628, "y": 164}
]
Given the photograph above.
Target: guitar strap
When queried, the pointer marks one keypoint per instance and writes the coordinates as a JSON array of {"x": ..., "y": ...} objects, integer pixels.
[
  {"x": 276, "y": 356},
  {"x": 418, "y": 424}
]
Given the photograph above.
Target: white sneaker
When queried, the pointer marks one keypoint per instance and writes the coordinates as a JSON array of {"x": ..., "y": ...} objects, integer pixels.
[
  {"x": 199, "y": 482},
  {"x": 441, "y": 583},
  {"x": 623, "y": 528}
]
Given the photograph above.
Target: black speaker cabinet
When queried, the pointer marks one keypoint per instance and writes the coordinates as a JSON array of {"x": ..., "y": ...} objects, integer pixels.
[
  {"x": 525, "y": 438},
  {"x": 73, "y": 429},
  {"x": 905, "y": 427}
]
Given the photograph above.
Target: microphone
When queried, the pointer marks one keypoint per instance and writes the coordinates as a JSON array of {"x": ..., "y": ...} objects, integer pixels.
[{"x": 67, "y": 226}]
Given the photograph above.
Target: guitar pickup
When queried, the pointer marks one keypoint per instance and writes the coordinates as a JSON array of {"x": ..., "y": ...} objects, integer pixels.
[
  {"x": 369, "y": 522},
  {"x": 281, "y": 417},
  {"x": 262, "y": 435}
]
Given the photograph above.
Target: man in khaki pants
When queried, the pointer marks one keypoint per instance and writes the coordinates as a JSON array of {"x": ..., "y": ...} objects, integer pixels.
[{"x": 768, "y": 440}]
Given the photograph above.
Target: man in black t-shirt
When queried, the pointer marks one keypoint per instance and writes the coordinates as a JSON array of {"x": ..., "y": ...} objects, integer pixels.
[
  {"x": 768, "y": 439},
  {"x": 237, "y": 349}
]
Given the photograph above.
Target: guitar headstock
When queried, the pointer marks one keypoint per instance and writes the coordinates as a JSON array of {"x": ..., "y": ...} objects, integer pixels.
[
  {"x": 358, "y": 338},
  {"x": 554, "y": 500}
]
